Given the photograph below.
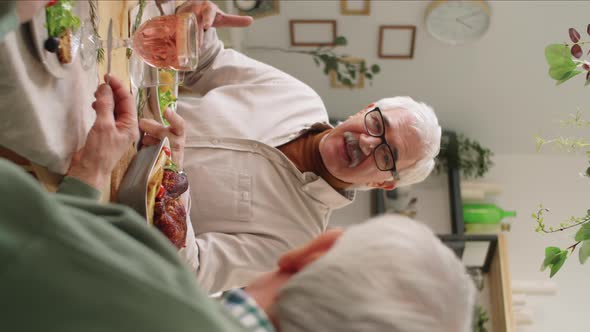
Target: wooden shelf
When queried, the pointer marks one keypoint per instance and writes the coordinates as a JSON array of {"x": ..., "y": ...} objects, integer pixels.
[
  {"x": 451, "y": 144},
  {"x": 500, "y": 289}
]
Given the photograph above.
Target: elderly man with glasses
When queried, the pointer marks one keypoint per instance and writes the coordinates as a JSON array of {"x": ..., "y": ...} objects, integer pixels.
[{"x": 265, "y": 167}]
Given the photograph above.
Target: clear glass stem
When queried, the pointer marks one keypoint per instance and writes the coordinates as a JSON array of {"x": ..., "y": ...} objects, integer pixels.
[{"x": 119, "y": 43}]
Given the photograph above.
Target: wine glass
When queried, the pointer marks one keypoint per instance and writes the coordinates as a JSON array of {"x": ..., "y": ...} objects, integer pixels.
[{"x": 162, "y": 42}]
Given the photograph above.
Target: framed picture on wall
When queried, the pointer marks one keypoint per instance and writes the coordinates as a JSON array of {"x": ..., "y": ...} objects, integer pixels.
[
  {"x": 354, "y": 65},
  {"x": 397, "y": 41},
  {"x": 313, "y": 32},
  {"x": 355, "y": 7},
  {"x": 257, "y": 8}
]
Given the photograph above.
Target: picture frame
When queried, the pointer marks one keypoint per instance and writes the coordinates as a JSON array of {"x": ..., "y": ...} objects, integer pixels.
[
  {"x": 313, "y": 32},
  {"x": 263, "y": 8},
  {"x": 360, "y": 79},
  {"x": 397, "y": 41},
  {"x": 355, "y": 7}
]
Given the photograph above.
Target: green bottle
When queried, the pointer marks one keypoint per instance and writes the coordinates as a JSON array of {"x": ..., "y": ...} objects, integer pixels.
[{"x": 484, "y": 214}]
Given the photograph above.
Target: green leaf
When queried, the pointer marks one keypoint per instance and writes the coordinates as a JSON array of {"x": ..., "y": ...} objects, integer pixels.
[
  {"x": 584, "y": 252},
  {"x": 375, "y": 69},
  {"x": 554, "y": 259},
  {"x": 369, "y": 76},
  {"x": 568, "y": 75},
  {"x": 550, "y": 254},
  {"x": 317, "y": 62},
  {"x": 332, "y": 63},
  {"x": 347, "y": 82},
  {"x": 583, "y": 233},
  {"x": 171, "y": 166},
  {"x": 166, "y": 100},
  {"x": 558, "y": 55},
  {"x": 561, "y": 65},
  {"x": 340, "y": 41},
  {"x": 363, "y": 67},
  {"x": 61, "y": 17},
  {"x": 558, "y": 263}
]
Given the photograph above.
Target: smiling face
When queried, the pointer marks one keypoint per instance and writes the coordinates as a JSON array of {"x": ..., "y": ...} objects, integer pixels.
[{"x": 347, "y": 151}]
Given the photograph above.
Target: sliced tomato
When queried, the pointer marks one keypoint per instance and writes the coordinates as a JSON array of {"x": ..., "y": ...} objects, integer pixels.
[
  {"x": 167, "y": 151},
  {"x": 161, "y": 192},
  {"x": 51, "y": 3}
]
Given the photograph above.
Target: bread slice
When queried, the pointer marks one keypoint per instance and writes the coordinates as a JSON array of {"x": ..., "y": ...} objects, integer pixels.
[{"x": 64, "y": 51}]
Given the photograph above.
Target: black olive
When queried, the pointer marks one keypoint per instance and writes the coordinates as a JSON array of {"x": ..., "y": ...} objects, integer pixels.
[{"x": 51, "y": 44}]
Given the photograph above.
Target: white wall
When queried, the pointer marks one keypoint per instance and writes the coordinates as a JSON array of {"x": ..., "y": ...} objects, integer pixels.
[
  {"x": 495, "y": 90},
  {"x": 529, "y": 180}
]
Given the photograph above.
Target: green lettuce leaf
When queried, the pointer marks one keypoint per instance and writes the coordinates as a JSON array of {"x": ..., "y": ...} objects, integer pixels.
[{"x": 60, "y": 17}]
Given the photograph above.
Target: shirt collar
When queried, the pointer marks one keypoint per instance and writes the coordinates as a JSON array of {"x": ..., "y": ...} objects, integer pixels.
[{"x": 243, "y": 307}]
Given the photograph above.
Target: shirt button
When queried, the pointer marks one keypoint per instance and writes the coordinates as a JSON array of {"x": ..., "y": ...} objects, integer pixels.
[
  {"x": 255, "y": 145},
  {"x": 245, "y": 195},
  {"x": 215, "y": 141}
]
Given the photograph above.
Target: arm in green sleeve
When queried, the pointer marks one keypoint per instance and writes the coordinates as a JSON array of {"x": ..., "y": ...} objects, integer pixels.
[
  {"x": 71, "y": 264},
  {"x": 74, "y": 187},
  {"x": 8, "y": 18}
]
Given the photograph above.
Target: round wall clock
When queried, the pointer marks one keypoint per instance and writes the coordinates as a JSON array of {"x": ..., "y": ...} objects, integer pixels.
[
  {"x": 457, "y": 22},
  {"x": 246, "y": 5}
]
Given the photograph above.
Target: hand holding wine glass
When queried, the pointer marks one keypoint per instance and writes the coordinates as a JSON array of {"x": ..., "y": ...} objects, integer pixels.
[
  {"x": 209, "y": 15},
  {"x": 166, "y": 42}
]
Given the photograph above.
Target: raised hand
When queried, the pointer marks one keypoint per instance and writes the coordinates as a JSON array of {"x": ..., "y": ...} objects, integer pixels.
[
  {"x": 114, "y": 130},
  {"x": 209, "y": 15},
  {"x": 155, "y": 132}
]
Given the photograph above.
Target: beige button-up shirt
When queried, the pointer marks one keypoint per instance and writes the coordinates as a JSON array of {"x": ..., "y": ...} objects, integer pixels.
[{"x": 249, "y": 203}]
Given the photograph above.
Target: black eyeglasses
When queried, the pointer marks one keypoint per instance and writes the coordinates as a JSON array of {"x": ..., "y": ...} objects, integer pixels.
[{"x": 385, "y": 156}]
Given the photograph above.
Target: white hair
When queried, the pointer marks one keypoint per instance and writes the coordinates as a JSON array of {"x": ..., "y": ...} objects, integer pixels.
[
  {"x": 429, "y": 133},
  {"x": 388, "y": 274}
]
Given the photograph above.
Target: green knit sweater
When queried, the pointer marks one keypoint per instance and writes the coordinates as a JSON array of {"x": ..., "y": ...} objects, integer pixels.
[{"x": 70, "y": 263}]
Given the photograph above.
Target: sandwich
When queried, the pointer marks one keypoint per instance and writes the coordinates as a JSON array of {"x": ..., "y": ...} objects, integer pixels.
[
  {"x": 165, "y": 210},
  {"x": 61, "y": 23}
]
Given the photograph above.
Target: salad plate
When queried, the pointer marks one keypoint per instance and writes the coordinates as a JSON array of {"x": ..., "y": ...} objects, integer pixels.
[
  {"x": 165, "y": 95},
  {"x": 58, "y": 15}
]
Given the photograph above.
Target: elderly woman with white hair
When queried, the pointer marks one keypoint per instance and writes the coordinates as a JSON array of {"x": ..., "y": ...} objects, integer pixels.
[
  {"x": 388, "y": 274},
  {"x": 265, "y": 167}
]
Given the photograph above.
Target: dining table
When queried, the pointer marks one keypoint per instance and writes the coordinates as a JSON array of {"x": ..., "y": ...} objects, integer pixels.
[{"x": 46, "y": 118}]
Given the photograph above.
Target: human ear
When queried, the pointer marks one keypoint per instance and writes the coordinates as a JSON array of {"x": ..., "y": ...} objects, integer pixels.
[
  {"x": 296, "y": 259},
  {"x": 385, "y": 185}
]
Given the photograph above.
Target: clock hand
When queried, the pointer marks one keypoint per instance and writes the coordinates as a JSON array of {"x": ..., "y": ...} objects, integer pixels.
[
  {"x": 469, "y": 15},
  {"x": 465, "y": 24}
]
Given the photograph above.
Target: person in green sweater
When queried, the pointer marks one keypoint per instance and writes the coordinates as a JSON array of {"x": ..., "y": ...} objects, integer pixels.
[{"x": 70, "y": 263}]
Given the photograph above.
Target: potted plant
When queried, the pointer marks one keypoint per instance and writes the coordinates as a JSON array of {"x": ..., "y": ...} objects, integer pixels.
[
  {"x": 324, "y": 56},
  {"x": 566, "y": 61},
  {"x": 472, "y": 159},
  {"x": 481, "y": 318}
]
